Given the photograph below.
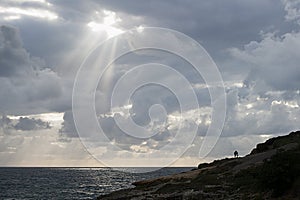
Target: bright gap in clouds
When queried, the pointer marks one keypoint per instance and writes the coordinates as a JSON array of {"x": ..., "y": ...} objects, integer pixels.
[
  {"x": 29, "y": 1},
  {"x": 54, "y": 119},
  {"x": 31, "y": 12},
  {"x": 107, "y": 25},
  {"x": 16, "y": 11},
  {"x": 12, "y": 17}
]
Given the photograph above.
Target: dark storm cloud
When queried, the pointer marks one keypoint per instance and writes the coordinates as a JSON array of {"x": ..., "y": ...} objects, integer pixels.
[
  {"x": 68, "y": 126},
  {"x": 5, "y": 123},
  {"x": 219, "y": 26},
  {"x": 50, "y": 41},
  {"x": 76, "y": 10},
  {"x": 23, "y": 124},
  {"x": 32, "y": 85},
  {"x": 216, "y": 24},
  {"x": 14, "y": 59},
  {"x": 29, "y": 124},
  {"x": 26, "y": 85}
]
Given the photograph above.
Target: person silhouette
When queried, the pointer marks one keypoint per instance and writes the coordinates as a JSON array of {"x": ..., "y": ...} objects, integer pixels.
[{"x": 236, "y": 154}]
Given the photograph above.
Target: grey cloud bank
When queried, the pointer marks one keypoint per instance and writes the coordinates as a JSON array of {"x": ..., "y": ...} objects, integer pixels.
[{"x": 255, "y": 44}]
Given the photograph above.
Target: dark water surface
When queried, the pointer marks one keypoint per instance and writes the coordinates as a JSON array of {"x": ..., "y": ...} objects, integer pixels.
[{"x": 69, "y": 183}]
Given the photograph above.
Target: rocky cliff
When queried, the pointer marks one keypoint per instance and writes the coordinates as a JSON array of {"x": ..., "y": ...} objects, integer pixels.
[{"x": 270, "y": 171}]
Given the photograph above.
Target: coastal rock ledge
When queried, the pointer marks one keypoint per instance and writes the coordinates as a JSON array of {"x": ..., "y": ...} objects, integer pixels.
[{"x": 270, "y": 171}]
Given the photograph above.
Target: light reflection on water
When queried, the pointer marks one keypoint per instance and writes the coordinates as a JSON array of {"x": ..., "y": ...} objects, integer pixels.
[{"x": 69, "y": 183}]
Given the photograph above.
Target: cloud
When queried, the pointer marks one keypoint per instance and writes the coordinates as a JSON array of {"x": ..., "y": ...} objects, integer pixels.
[
  {"x": 28, "y": 124},
  {"x": 27, "y": 86},
  {"x": 274, "y": 61},
  {"x": 38, "y": 61},
  {"x": 15, "y": 10},
  {"x": 268, "y": 102},
  {"x": 232, "y": 24},
  {"x": 225, "y": 29},
  {"x": 14, "y": 59},
  {"x": 10, "y": 125},
  {"x": 292, "y": 7},
  {"x": 5, "y": 124},
  {"x": 254, "y": 115},
  {"x": 68, "y": 128}
]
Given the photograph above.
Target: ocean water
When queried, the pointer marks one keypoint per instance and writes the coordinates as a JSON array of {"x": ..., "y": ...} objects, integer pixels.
[{"x": 69, "y": 183}]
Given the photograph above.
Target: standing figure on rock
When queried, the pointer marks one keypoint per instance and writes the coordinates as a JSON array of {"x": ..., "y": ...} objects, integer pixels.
[{"x": 236, "y": 154}]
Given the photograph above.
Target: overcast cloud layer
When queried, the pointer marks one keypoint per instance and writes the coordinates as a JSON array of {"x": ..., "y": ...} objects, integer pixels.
[{"x": 255, "y": 44}]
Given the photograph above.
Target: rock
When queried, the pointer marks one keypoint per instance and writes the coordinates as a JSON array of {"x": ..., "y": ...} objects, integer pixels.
[{"x": 272, "y": 169}]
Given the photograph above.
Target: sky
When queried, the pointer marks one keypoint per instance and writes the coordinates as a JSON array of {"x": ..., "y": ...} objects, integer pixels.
[{"x": 45, "y": 44}]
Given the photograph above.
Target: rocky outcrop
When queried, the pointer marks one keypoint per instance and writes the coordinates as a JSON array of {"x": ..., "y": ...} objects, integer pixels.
[
  {"x": 277, "y": 143},
  {"x": 270, "y": 171}
]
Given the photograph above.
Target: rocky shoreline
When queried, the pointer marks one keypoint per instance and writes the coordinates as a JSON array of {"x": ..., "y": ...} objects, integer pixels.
[{"x": 270, "y": 171}]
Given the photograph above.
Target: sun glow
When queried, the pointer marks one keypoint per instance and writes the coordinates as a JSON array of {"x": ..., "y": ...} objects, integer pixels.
[{"x": 108, "y": 24}]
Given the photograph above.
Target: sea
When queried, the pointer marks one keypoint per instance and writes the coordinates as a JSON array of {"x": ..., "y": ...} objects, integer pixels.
[{"x": 70, "y": 183}]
